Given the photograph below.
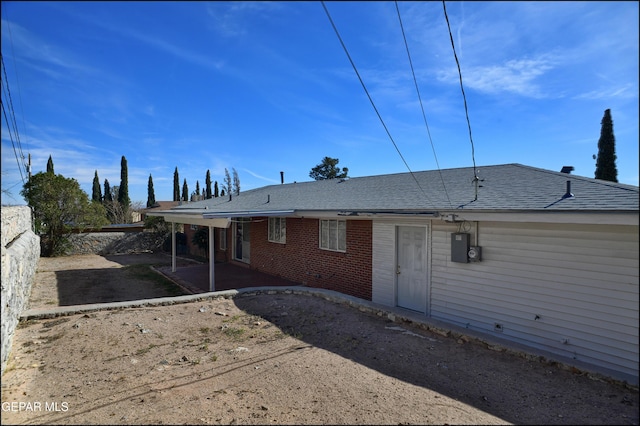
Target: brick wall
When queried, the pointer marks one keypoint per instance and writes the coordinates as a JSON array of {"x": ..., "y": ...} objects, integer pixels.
[{"x": 302, "y": 261}]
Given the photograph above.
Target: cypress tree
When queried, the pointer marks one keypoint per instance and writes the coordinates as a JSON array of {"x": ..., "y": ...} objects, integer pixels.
[
  {"x": 216, "y": 192},
  {"x": 50, "y": 165},
  {"x": 606, "y": 161},
  {"x": 198, "y": 188},
  {"x": 236, "y": 181},
  {"x": 185, "y": 191},
  {"x": 151, "y": 196},
  {"x": 97, "y": 191},
  {"x": 207, "y": 194},
  {"x": 123, "y": 191},
  {"x": 107, "y": 191},
  {"x": 227, "y": 182},
  {"x": 176, "y": 186}
]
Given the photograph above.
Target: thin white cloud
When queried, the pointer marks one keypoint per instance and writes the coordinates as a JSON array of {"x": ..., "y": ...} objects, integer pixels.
[
  {"x": 625, "y": 92},
  {"x": 517, "y": 76},
  {"x": 260, "y": 177},
  {"x": 40, "y": 54}
]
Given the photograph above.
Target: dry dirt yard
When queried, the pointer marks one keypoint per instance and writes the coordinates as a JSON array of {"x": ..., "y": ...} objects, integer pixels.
[{"x": 271, "y": 359}]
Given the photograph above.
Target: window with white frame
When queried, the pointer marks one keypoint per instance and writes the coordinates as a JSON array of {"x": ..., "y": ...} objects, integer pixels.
[
  {"x": 278, "y": 230},
  {"x": 222, "y": 233},
  {"x": 333, "y": 235}
]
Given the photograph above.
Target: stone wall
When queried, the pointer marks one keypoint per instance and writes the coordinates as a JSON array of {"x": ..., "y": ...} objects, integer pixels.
[
  {"x": 20, "y": 254},
  {"x": 103, "y": 243}
]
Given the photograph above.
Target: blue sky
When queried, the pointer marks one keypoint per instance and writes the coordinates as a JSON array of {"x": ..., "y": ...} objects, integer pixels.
[{"x": 265, "y": 87}]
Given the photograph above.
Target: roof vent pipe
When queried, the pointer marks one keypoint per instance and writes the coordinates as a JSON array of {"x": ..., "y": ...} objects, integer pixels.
[
  {"x": 229, "y": 195},
  {"x": 281, "y": 178},
  {"x": 568, "y": 194}
]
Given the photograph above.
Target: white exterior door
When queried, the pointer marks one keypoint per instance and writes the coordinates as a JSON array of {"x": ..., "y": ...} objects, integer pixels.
[{"x": 411, "y": 268}]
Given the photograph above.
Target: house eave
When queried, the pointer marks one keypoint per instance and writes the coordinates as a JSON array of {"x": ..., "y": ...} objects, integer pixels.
[{"x": 592, "y": 217}]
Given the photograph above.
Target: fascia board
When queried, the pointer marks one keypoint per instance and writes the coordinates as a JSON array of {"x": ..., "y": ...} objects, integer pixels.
[{"x": 593, "y": 218}]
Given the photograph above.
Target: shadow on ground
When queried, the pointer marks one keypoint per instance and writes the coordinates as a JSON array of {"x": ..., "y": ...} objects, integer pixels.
[
  {"x": 132, "y": 282},
  {"x": 505, "y": 385}
]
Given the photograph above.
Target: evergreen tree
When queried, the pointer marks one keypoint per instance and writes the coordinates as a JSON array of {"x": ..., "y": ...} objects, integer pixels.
[
  {"x": 151, "y": 196},
  {"x": 606, "y": 161},
  {"x": 97, "y": 191},
  {"x": 227, "y": 182},
  {"x": 107, "y": 191},
  {"x": 185, "y": 191},
  {"x": 176, "y": 186},
  {"x": 50, "y": 165},
  {"x": 216, "y": 192},
  {"x": 207, "y": 193},
  {"x": 123, "y": 191},
  {"x": 236, "y": 181},
  {"x": 198, "y": 188},
  {"x": 328, "y": 169}
]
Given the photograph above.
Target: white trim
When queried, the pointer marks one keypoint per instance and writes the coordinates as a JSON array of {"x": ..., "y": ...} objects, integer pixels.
[
  {"x": 281, "y": 224},
  {"x": 337, "y": 249},
  {"x": 594, "y": 218}
]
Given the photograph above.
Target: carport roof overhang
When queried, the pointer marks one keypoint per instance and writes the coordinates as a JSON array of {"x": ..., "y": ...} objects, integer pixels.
[
  {"x": 192, "y": 218},
  {"x": 222, "y": 219}
]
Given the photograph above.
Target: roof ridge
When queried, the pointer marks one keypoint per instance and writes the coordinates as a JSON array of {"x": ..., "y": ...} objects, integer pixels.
[{"x": 583, "y": 178}]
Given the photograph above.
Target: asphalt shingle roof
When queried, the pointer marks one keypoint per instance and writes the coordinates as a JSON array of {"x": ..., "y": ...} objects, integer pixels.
[{"x": 508, "y": 187}]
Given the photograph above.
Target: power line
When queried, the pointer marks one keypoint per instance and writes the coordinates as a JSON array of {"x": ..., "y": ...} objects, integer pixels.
[
  {"x": 13, "y": 54},
  {"x": 421, "y": 105},
  {"x": 4, "y": 112},
  {"x": 475, "y": 171},
  {"x": 371, "y": 100},
  {"x": 13, "y": 116}
]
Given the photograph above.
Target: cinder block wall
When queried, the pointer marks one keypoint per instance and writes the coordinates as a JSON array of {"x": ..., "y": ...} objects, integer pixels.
[
  {"x": 20, "y": 254},
  {"x": 302, "y": 261}
]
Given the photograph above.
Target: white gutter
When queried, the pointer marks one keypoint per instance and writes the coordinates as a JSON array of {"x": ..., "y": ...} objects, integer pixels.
[
  {"x": 246, "y": 213},
  {"x": 593, "y": 218}
]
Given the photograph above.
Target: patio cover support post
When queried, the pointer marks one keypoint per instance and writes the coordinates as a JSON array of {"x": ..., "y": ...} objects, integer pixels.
[
  {"x": 212, "y": 261},
  {"x": 173, "y": 246}
]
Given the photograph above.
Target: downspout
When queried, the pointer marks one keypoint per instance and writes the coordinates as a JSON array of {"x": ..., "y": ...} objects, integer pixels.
[
  {"x": 173, "y": 246},
  {"x": 212, "y": 257}
]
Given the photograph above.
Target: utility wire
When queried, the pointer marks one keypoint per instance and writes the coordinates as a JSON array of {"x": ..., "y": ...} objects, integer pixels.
[
  {"x": 473, "y": 157},
  {"x": 424, "y": 116},
  {"x": 12, "y": 113},
  {"x": 4, "y": 112},
  {"x": 13, "y": 54},
  {"x": 371, "y": 100}
]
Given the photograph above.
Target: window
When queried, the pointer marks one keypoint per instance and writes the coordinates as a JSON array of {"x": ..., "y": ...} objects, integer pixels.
[
  {"x": 223, "y": 238},
  {"x": 333, "y": 235},
  {"x": 194, "y": 227},
  {"x": 278, "y": 230}
]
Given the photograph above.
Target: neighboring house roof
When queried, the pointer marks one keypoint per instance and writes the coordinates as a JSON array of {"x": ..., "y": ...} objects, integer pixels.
[
  {"x": 162, "y": 205},
  {"x": 501, "y": 188}
]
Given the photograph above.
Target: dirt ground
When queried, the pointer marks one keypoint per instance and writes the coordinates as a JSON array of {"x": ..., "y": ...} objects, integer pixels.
[{"x": 268, "y": 359}]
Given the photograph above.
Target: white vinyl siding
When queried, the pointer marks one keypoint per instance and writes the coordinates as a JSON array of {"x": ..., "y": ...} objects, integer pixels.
[
  {"x": 277, "y": 230},
  {"x": 580, "y": 281},
  {"x": 333, "y": 235}
]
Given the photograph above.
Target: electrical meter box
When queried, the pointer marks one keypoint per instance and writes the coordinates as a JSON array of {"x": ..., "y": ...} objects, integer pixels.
[{"x": 460, "y": 247}]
